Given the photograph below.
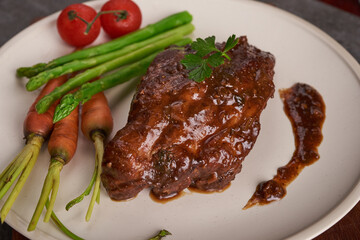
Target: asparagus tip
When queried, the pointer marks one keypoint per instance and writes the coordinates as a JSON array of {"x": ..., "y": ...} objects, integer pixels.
[{"x": 67, "y": 104}]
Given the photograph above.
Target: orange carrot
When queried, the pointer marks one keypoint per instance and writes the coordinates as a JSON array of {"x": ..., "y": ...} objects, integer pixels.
[
  {"x": 42, "y": 124},
  {"x": 36, "y": 127},
  {"x": 96, "y": 116},
  {"x": 62, "y": 147},
  {"x": 63, "y": 141},
  {"x": 96, "y": 125}
]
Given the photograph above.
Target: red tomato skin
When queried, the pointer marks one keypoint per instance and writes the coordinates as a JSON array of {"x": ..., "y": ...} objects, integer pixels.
[
  {"x": 118, "y": 28},
  {"x": 73, "y": 31}
]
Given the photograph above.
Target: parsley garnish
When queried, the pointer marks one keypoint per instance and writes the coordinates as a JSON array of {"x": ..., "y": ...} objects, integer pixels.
[{"x": 206, "y": 56}]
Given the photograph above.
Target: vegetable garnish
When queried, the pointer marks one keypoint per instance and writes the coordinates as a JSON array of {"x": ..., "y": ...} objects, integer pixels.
[
  {"x": 96, "y": 125},
  {"x": 76, "y": 65},
  {"x": 79, "y": 24},
  {"x": 74, "y": 27},
  {"x": 62, "y": 146},
  {"x": 70, "y": 101},
  {"x": 206, "y": 56},
  {"x": 165, "y": 24},
  {"x": 127, "y": 21},
  {"x": 37, "y": 129},
  {"x": 61, "y": 226},
  {"x": 162, "y": 233}
]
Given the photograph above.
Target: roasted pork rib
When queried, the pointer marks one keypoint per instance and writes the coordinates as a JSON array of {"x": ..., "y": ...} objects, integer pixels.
[{"x": 181, "y": 133}]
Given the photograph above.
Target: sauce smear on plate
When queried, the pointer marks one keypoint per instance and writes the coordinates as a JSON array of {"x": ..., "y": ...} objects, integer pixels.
[{"x": 305, "y": 108}]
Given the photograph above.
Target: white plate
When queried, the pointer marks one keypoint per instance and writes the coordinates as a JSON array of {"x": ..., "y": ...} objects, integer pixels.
[{"x": 320, "y": 196}]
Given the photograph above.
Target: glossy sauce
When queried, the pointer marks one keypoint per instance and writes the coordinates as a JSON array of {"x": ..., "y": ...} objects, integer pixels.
[
  {"x": 181, "y": 133},
  {"x": 305, "y": 109},
  {"x": 166, "y": 200},
  {"x": 196, "y": 190},
  {"x": 183, "y": 193}
]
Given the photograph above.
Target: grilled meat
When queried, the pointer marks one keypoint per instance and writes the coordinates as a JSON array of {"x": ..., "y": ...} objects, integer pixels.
[{"x": 181, "y": 133}]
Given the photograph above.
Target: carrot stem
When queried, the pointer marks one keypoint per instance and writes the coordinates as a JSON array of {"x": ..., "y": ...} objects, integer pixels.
[
  {"x": 98, "y": 197},
  {"x": 14, "y": 170},
  {"x": 59, "y": 224},
  {"x": 85, "y": 193},
  {"x": 55, "y": 168},
  {"x": 36, "y": 143},
  {"x": 8, "y": 166},
  {"x": 95, "y": 181},
  {"x": 51, "y": 185},
  {"x": 17, "y": 166},
  {"x": 99, "y": 148}
]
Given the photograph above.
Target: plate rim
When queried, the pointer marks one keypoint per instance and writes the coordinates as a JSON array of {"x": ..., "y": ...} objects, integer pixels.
[
  {"x": 353, "y": 197},
  {"x": 314, "y": 229}
]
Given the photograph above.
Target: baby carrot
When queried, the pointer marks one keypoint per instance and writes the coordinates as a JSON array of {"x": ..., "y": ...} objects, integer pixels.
[
  {"x": 96, "y": 125},
  {"x": 37, "y": 128},
  {"x": 62, "y": 146}
]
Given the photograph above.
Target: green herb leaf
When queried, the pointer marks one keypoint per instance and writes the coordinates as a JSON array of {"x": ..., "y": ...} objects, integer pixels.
[
  {"x": 215, "y": 59},
  {"x": 191, "y": 61},
  {"x": 204, "y": 47},
  {"x": 206, "y": 56},
  {"x": 201, "y": 72},
  {"x": 230, "y": 43},
  {"x": 163, "y": 233}
]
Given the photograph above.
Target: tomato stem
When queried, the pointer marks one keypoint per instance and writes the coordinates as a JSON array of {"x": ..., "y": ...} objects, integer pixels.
[
  {"x": 73, "y": 15},
  {"x": 120, "y": 14}
]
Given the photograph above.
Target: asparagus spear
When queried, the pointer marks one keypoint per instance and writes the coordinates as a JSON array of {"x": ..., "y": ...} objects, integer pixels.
[
  {"x": 89, "y": 74},
  {"x": 76, "y": 65},
  {"x": 163, "y": 25},
  {"x": 70, "y": 101}
]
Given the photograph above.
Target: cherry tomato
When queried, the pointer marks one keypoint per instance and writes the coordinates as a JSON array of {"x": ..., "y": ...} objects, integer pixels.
[
  {"x": 72, "y": 29},
  {"x": 118, "y": 24}
]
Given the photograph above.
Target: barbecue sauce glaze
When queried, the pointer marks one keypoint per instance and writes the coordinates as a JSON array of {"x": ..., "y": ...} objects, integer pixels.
[
  {"x": 305, "y": 108},
  {"x": 181, "y": 133}
]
